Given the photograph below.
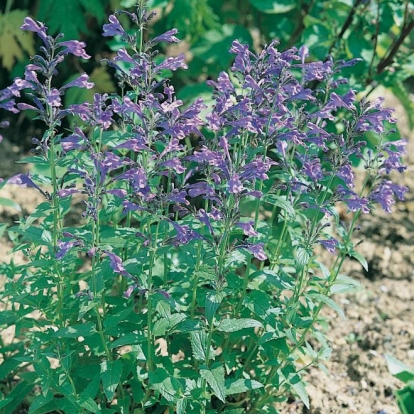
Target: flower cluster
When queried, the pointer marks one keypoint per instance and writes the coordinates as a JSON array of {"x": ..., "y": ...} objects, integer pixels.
[{"x": 190, "y": 207}]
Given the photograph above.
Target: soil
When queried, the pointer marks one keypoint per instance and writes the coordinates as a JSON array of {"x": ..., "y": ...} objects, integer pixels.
[{"x": 379, "y": 318}]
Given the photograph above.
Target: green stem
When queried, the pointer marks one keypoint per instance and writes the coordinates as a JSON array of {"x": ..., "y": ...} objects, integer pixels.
[{"x": 150, "y": 336}]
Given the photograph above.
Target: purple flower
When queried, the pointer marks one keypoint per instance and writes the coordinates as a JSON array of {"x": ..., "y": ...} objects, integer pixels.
[
  {"x": 257, "y": 169},
  {"x": 74, "y": 47},
  {"x": 257, "y": 250},
  {"x": 317, "y": 70},
  {"x": 178, "y": 196},
  {"x": 53, "y": 98},
  {"x": 345, "y": 172},
  {"x": 395, "y": 150},
  {"x": 130, "y": 289},
  {"x": 173, "y": 164},
  {"x": 184, "y": 234},
  {"x": 123, "y": 56},
  {"x": 172, "y": 63},
  {"x": 330, "y": 245},
  {"x": 113, "y": 28},
  {"x": 345, "y": 101},
  {"x": 303, "y": 53},
  {"x": 166, "y": 37},
  {"x": 7, "y": 103},
  {"x": 384, "y": 194},
  {"x": 117, "y": 266},
  {"x": 80, "y": 82},
  {"x": 24, "y": 180},
  {"x": 312, "y": 168},
  {"x": 36, "y": 27},
  {"x": 247, "y": 228},
  {"x": 64, "y": 247},
  {"x": 234, "y": 185},
  {"x": 374, "y": 121},
  {"x": 204, "y": 218},
  {"x": 352, "y": 200}
]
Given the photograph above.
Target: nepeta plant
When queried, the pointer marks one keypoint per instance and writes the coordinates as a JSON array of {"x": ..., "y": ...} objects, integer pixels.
[{"x": 193, "y": 280}]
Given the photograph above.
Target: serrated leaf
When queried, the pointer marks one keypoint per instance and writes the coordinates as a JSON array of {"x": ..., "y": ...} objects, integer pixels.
[
  {"x": 13, "y": 41},
  {"x": 399, "y": 370},
  {"x": 242, "y": 385},
  {"x": 199, "y": 345},
  {"x": 233, "y": 325},
  {"x": 162, "y": 382},
  {"x": 215, "y": 378},
  {"x": 213, "y": 300},
  {"x": 110, "y": 375},
  {"x": 302, "y": 256}
]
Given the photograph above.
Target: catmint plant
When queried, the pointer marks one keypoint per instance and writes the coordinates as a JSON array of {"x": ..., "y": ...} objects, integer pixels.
[{"x": 192, "y": 279}]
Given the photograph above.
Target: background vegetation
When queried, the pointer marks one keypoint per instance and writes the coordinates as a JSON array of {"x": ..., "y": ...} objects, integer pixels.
[{"x": 380, "y": 32}]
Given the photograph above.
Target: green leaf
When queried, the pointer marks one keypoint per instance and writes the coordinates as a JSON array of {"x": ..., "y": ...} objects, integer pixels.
[
  {"x": 300, "y": 390},
  {"x": 74, "y": 331},
  {"x": 345, "y": 284},
  {"x": 34, "y": 234},
  {"x": 168, "y": 386},
  {"x": 327, "y": 301},
  {"x": 213, "y": 300},
  {"x": 215, "y": 378},
  {"x": 361, "y": 259},
  {"x": 279, "y": 280},
  {"x": 113, "y": 320},
  {"x": 181, "y": 406},
  {"x": 399, "y": 370},
  {"x": 302, "y": 256},
  {"x": 39, "y": 402},
  {"x": 17, "y": 395},
  {"x": 405, "y": 399},
  {"x": 13, "y": 41},
  {"x": 274, "y": 6},
  {"x": 9, "y": 203},
  {"x": 242, "y": 385},
  {"x": 90, "y": 405},
  {"x": 282, "y": 203},
  {"x": 110, "y": 375},
  {"x": 129, "y": 339},
  {"x": 199, "y": 345},
  {"x": 233, "y": 325}
]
